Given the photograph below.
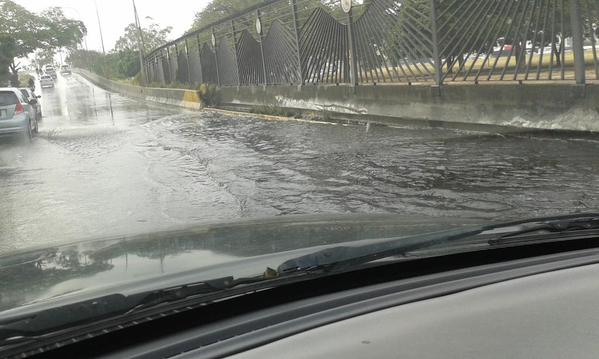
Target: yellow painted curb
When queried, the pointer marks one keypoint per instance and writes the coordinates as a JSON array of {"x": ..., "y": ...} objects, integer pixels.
[{"x": 191, "y": 96}]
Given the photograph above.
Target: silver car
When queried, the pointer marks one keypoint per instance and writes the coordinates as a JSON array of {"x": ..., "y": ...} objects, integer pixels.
[
  {"x": 16, "y": 115},
  {"x": 46, "y": 81}
]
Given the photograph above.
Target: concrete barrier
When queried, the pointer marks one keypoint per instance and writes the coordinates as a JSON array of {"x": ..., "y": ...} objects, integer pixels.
[
  {"x": 555, "y": 106},
  {"x": 175, "y": 97},
  {"x": 539, "y": 106}
]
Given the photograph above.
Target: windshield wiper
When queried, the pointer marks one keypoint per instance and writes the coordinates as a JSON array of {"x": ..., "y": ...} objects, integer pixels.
[
  {"x": 349, "y": 256},
  {"x": 549, "y": 229},
  {"x": 338, "y": 258},
  {"x": 27, "y": 327}
]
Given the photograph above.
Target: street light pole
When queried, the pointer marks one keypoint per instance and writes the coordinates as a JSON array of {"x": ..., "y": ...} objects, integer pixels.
[
  {"x": 140, "y": 44},
  {"x": 100, "y": 27}
]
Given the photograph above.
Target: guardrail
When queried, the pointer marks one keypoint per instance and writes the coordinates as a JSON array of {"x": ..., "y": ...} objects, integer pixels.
[{"x": 301, "y": 42}]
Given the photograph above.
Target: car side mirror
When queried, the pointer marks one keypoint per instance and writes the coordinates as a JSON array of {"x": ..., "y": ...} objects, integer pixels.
[{"x": 39, "y": 96}]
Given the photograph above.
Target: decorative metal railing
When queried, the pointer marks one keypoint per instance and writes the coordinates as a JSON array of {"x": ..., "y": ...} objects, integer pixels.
[{"x": 302, "y": 42}]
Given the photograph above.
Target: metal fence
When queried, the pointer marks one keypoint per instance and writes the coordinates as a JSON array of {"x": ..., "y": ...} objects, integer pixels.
[{"x": 303, "y": 42}]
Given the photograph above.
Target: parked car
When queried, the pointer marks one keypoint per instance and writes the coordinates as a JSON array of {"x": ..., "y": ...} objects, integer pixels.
[
  {"x": 16, "y": 115},
  {"x": 32, "y": 99},
  {"x": 46, "y": 81},
  {"x": 65, "y": 70}
]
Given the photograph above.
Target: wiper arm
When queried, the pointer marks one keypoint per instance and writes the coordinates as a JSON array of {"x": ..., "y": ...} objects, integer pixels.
[
  {"x": 27, "y": 327},
  {"x": 348, "y": 256},
  {"x": 553, "y": 226},
  {"x": 171, "y": 294}
]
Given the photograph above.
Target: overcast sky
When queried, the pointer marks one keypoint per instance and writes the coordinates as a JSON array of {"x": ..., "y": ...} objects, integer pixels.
[{"x": 115, "y": 15}]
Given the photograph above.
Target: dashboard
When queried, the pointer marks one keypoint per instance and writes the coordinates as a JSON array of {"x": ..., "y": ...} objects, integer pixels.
[{"x": 548, "y": 315}]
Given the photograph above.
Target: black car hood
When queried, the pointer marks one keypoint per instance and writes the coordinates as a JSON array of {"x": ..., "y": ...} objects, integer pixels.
[{"x": 152, "y": 261}]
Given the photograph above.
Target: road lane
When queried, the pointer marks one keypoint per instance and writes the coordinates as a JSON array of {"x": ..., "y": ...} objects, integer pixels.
[{"x": 106, "y": 165}]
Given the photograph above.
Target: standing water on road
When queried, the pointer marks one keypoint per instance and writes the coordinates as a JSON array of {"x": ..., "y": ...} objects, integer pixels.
[{"x": 105, "y": 165}]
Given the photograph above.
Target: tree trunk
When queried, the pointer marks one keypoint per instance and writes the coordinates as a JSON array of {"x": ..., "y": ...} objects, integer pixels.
[
  {"x": 450, "y": 60},
  {"x": 557, "y": 54},
  {"x": 14, "y": 75},
  {"x": 517, "y": 53}
]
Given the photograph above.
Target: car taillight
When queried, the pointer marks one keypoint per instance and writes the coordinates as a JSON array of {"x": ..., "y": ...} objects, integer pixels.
[{"x": 19, "y": 108}]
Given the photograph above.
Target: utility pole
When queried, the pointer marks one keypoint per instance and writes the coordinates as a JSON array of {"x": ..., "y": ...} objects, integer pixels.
[
  {"x": 140, "y": 44},
  {"x": 100, "y": 27}
]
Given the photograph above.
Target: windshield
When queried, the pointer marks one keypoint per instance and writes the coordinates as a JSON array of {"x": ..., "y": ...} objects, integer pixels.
[{"x": 261, "y": 116}]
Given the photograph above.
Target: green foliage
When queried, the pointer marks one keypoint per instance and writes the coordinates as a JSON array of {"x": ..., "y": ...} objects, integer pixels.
[
  {"x": 209, "y": 95},
  {"x": 24, "y": 79},
  {"x": 153, "y": 37},
  {"x": 123, "y": 61},
  {"x": 49, "y": 30},
  {"x": 217, "y": 10},
  {"x": 8, "y": 51},
  {"x": 220, "y": 9},
  {"x": 58, "y": 31},
  {"x": 45, "y": 56}
]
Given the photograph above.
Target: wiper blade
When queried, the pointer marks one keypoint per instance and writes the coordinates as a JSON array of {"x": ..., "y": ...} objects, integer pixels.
[
  {"x": 551, "y": 226},
  {"x": 30, "y": 326},
  {"x": 337, "y": 258},
  {"x": 349, "y": 256},
  {"x": 172, "y": 294}
]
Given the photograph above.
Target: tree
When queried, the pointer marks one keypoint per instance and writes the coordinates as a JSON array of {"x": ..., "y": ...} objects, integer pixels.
[
  {"x": 153, "y": 37},
  {"x": 123, "y": 61},
  {"x": 8, "y": 50},
  {"x": 125, "y": 58},
  {"x": 219, "y": 9},
  {"x": 59, "y": 31},
  {"x": 45, "y": 56},
  {"x": 30, "y": 31}
]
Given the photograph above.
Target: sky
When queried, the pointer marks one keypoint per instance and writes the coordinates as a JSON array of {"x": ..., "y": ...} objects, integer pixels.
[{"x": 115, "y": 15}]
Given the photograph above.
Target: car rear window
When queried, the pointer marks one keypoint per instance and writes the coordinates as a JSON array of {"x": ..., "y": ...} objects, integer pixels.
[
  {"x": 8, "y": 98},
  {"x": 25, "y": 94},
  {"x": 46, "y": 77}
]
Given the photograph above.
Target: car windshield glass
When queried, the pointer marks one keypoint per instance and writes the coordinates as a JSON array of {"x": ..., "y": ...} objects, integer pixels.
[
  {"x": 146, "y": 141},
  {"x": 7, "y": 98}
]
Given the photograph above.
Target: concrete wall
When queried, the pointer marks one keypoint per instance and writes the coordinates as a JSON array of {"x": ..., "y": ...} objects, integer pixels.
[
  {"x": 539, "y": 105},
  {"x": 542, "y": 105},
  {"x": 176, "y": 97}
]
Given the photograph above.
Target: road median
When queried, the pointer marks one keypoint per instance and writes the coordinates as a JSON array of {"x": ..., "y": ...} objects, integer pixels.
[{"x": 189, "y": 99}]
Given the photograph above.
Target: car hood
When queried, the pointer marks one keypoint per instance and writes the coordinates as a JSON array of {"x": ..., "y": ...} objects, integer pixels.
[{"x": 126, "y": 265}]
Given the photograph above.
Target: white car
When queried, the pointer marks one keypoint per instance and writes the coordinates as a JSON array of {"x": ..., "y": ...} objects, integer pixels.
[{"x": 46, "y": 81}]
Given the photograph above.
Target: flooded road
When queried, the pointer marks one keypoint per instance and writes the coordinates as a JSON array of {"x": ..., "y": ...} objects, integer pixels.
[{"x": 106, "y": 165}]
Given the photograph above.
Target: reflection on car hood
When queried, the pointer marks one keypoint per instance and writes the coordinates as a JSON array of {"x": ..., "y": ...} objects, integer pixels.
[{"x": 130, "y": 264}]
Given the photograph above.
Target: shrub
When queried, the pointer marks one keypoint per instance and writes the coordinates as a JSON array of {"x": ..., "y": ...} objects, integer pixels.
[{"x": 209, "y": 95}]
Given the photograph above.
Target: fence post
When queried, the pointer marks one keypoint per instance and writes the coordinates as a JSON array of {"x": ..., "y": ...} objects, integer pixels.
[
  {"x": 187, "y": 61},
  {"x": 297, "y": 41},
  {"x": 200, "y": 58},
  {"x": 259, "y": 27},
  {"x": 353, "y": 61},
  {"x": 169, "y": 67},
  {"x": 435, "y": 40},
  {"x": 161, "y": 68},
  {"x": 213, "y": 39},
  {"x": 235, "y": 52},
  {"x": 175, "y": 65},
  {"x": 577, "y": 42}
]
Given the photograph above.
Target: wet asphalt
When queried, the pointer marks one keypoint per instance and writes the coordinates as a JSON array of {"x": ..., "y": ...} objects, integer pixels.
[{"x": 105, "y": 165}]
